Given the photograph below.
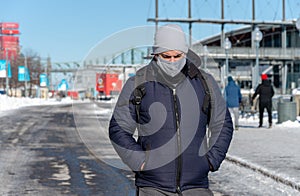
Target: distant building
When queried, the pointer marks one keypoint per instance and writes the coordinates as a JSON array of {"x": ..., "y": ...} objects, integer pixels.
[
  {"x": 9, "y": 40},
  {"x": 279, "y": 55}
]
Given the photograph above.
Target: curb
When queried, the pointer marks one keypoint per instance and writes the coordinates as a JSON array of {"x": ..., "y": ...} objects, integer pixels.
[{"x": 263, "y": 171}]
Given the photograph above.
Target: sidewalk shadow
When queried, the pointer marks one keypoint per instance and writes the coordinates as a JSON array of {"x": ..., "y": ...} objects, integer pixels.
[{"x": 247, "y": 126}]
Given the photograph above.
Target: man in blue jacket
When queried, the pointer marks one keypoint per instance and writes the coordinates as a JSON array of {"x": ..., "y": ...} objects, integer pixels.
[
  {"x": 233, "y": 99},
  {"x": 184, "y": 127}
]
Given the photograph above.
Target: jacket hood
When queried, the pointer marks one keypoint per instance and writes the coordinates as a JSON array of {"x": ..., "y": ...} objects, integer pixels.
[
  {"x": 266, "y": 82},
  {"x": 230, "y": 79}
]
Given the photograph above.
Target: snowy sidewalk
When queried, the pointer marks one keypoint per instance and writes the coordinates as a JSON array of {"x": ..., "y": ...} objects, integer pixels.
[{"x": 273, "y": 152}]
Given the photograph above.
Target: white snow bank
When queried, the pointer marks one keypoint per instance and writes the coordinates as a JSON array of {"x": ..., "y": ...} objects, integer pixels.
[{"x": 9, "y": 103}]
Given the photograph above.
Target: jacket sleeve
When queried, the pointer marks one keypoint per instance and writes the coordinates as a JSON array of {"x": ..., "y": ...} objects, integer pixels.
[
  {"x": 122, "y": 127},
  {"x": 272, "y": 91},
  {"x": 220, "y": 127},
  {"x": 257, "y": 91}
]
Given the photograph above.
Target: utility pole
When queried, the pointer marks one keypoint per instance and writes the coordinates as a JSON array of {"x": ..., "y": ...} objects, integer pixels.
[
  {"x": 156, "y": 14},
  {"x": 283, "y": 45},
  {"x": 6, "y": 69},
  {"x": 48, "y": 71},
  {"x": 222, "y": 25},
  {"x": 190, "y": 23},
  {"x": 26, "y": 70}
]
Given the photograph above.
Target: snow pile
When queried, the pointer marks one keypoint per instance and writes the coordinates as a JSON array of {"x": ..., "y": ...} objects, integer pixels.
[
  {"x": 290, "y": 124},
  {"x": 254, "y": 121},
  {"x": 9, "y": 103}
]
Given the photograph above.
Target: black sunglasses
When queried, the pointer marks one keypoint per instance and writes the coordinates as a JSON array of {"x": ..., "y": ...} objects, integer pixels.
[{"x": 165, "y": 56}]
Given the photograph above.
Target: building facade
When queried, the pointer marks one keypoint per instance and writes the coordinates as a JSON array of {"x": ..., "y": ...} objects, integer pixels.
[{"x": 278, "y": 55}]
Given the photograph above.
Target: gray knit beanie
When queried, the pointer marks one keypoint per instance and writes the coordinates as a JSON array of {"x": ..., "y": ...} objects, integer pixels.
[{"x": 169, "y": 37}]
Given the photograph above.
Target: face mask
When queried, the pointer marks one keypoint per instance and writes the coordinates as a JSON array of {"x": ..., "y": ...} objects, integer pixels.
[{"x": 171, "y": 68}]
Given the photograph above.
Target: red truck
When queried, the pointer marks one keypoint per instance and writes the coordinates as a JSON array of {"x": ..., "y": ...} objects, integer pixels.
[{"x": 107, "y": 85}]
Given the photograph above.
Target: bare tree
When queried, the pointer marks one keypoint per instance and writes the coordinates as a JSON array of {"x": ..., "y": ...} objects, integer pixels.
[{"x": 32, "y": 61}]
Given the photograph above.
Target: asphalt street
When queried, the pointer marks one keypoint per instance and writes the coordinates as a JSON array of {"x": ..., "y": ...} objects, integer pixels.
[{"x": 41, "y": 154}]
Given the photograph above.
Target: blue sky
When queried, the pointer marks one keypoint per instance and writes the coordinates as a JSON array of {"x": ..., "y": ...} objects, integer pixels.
[{"x": 66, "y": 30}]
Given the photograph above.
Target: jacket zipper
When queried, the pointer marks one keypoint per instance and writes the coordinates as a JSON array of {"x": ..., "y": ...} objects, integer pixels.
[{"x": 178, "y": 159}]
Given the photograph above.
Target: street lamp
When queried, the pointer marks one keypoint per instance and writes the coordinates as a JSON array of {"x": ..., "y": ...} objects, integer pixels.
[
  {"x": 227, "y": 46},
  {"x": 298, "y": 25},
  {"x": 257, "y": 37},
  {"x": 6, "y": 70},
  {"x": 26, "y": 76},
  {"x": 205, "y": 52}
]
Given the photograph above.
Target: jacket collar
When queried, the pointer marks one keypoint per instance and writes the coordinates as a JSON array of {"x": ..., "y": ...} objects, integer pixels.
[
  {"x": 193, "y": 62},
  {"x": 191, "y": 70}
]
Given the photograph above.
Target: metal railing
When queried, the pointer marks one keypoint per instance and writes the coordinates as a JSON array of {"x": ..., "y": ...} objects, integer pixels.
[{"x": 280, "y": 54}]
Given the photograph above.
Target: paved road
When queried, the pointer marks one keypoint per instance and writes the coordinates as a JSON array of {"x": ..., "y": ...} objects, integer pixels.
[{"x": 41, "y": 154}]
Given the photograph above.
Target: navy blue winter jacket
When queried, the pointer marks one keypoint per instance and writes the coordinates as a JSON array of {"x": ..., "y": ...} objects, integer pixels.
[{"x": 173, "y": 135}]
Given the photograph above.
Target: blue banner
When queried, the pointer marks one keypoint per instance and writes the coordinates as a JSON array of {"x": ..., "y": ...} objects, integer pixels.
[
  {"x": 63, "y": 85},
  {"x": 43, "y": 80},
  {"x": 23, "y": 74},
  {"x": 3, "y": 69}
]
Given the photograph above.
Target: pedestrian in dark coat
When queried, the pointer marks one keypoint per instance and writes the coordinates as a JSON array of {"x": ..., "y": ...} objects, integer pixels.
[
  {"x": 266, "y": 92},
  {"x": 179, "y": 140}
]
